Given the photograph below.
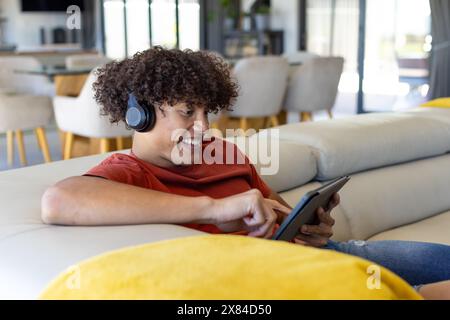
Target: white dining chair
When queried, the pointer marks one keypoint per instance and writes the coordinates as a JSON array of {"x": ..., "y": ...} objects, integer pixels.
[
  {"x": 262, "y": 83},
  {"x": 16, "y": 76},
  {"x": 300, "y": 57},
  {"x": 25, "y": 103},
  {"x": 81, "y": 116},
  {"x": 313, "y": 86}
]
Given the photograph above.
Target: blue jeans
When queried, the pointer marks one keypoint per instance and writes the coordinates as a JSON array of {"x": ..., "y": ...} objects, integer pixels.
[{"x": 416, "y": 262}]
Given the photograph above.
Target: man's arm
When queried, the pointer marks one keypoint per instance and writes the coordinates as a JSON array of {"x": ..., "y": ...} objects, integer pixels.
[
  {"x": 96, "y": 201},
  {"x": 89, "y": 200}
]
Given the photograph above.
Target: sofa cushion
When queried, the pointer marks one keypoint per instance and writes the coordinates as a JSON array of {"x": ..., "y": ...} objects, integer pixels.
[
  {"x": 439, "y": 114},
  {"x": 210, "y": 267},
  {"x": 386, "y": 198},
  {"x": 362, "y": 142},
  {"x": 435, "y": 229},
  {"x": 22, "y": 189},
  {"x": 31, "y": 258}
]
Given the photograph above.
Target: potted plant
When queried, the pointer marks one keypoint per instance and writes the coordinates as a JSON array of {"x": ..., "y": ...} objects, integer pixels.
[
  {"x": 231, "y": 14},
  {"x": 262, "y": 17}
]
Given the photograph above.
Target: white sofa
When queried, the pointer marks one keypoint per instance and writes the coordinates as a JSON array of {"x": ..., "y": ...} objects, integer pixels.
[{"x": 400, "y": 189}]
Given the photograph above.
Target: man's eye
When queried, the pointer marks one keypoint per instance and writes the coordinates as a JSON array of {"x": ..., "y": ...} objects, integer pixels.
[{"x": 189, "y": 113}]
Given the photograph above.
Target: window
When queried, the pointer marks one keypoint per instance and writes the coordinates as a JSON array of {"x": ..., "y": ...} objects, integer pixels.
[
  {"x": 114, "y": 26},
  {"x": 134, "y": 25},
  {"x": 397, "y": 42},
  {"x": 138, "y": 32}
]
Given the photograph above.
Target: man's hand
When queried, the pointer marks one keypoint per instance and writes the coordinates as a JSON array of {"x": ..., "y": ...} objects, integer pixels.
[
  {"x": 248, "y": 211},
  {"x": 318, "y": 235}
]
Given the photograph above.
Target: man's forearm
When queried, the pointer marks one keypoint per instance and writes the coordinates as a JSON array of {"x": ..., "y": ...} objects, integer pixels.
[{"x": 97, "y": 201}]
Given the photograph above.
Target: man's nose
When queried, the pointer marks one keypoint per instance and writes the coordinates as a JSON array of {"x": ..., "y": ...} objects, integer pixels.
[{"x": 202, "y": 122}]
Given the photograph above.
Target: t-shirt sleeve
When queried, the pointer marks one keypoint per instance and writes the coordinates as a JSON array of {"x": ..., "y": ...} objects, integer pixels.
[
  {"x": 119, "y": 170},
  {"x": 258, "y": 183}
]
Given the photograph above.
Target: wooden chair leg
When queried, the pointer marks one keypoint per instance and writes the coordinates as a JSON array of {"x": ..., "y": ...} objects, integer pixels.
[
  {"x": 42, "y": 141},
  {"x": 243, "y": 123},
  {"x": 274, "y": 121},
  {"x": 330, "y": 114},
  {"x": 68, "y": 145},
  {"x": 305, "y": 116},
  {"x": 21, "y": 147},
  {"x": 10, "y": 147},
  {"x": 62, "y": 139},
  {"x": 265, "y": 123},
  {"x": 222, "y": 122},
  {"x": 104, "y": 145},
  {"x": 119, "y": 143}
]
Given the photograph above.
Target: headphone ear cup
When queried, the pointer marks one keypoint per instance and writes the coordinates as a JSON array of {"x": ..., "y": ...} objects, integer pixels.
[{"x": 139, "y": 118}]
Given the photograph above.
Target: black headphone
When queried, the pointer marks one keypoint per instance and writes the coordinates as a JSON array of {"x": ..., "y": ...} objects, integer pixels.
[{"x": 140, "y": 117}]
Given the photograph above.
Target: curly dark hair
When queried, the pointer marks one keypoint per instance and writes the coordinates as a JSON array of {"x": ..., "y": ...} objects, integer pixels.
[{"x": 158, "y": 75}]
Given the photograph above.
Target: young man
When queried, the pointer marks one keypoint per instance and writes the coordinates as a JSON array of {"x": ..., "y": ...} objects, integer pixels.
[{"x": 166, "y": 95}]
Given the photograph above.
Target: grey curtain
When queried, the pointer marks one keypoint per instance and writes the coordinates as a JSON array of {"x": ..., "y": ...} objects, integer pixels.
[
  {"x": 88, "y": 27},
  {"x": 440, "y": 58}
]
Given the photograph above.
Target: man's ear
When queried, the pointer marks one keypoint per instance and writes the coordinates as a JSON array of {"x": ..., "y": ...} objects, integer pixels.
[{"x": 159, "y": 109}]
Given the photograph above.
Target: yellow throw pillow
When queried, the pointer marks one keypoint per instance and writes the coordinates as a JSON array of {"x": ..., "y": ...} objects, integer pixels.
[
  {"x": 437, "y": 103},
  {"x": 226, "y": 267}
]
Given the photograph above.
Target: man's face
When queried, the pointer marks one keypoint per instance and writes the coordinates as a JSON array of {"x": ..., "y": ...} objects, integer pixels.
[{"x": 179, "y": 126}]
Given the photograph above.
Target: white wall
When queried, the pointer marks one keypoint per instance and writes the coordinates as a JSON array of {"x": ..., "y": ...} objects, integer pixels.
[
  {"x": 284, "y": 16},
  {"x": 22, "y": 28}
]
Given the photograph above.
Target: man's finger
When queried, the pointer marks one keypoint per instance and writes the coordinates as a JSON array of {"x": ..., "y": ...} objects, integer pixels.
[
  {"x": 255, "y": 219},
  {"x": 325, "y": 217},
  {"x": 267, "y": 227},
  {"x": 335, "y": 199},
  {"x": 312, "y": 240},
  {"x": 321, "y": 230},
  {"x": 278, "y": 206},
  {"x": 301, "y": 242},
  {"x": 263, "y": 230}
]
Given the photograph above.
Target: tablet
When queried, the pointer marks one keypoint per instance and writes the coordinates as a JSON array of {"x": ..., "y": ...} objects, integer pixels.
[{"x": 305, "y": 211}]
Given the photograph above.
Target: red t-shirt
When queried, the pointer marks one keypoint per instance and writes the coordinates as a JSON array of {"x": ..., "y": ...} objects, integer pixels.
[{"x": 214, "y": 180}]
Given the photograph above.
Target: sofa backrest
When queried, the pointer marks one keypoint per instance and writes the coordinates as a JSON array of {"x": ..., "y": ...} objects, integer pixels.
[
  {"x": 358, "y": 143},
  {"x": 381, "y": 199},
  {"x": 399, "y": 164}
]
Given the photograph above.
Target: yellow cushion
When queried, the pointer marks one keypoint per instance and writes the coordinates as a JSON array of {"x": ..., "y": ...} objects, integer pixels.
[
  {"x": 437, "y": 103},
  {"x": 225, "y": 267}
]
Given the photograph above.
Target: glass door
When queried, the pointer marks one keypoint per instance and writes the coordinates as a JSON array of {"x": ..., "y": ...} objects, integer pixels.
[
  {"x": 332, "y": 27},
  {"x": 392, "y": 52},
  {"x": 397, "y": 46}
]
